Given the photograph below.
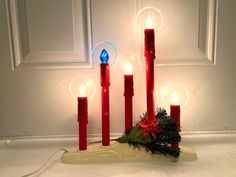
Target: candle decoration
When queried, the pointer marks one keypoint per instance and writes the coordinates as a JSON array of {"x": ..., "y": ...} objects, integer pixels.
[
  {"x": 128, "y": 94},
  {"x": 105, "y": 83},
  {"x": 175, "y": 96},
  {"x": 156, "y": 131},
  {"x": 149, "y": 52},
  {"x": 175, "y": 114},
  {"x": 83, "y": 89},
  {"x": 82, "y": 116},
  {"x": 104, "y": 54},
  {"x": 128, "y": 66},
  {"x": 149, "y": 20}
]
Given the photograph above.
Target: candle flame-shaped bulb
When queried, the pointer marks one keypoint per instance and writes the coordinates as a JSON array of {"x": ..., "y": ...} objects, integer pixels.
[
  {"x": 82, "y": 90},
  {"x": 104, "y": 57},
  {"x": 128, "y": 68},
  {"x": 175, "y": 98},
  {"x": 149, "y": 23}
]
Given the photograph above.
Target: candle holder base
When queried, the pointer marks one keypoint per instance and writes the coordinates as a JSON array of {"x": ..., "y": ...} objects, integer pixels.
[{"x": 122, "y": 152}]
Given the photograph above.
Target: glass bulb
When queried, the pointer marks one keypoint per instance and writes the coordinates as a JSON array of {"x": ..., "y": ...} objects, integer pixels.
[
  {"x": 128, "y": 68},
  {"x": 81, "y": 86},
  {"x": 149, "y": 23},
  {"x": 174, "y": 95},
  {"x": 175, "y": 98},
  {"x": 104, "y": 52},
  {"x": 149, "y": 17},
  {"x": 82, "y": 90},
  {"x": 127, "y": 64},
  {"x": 104, "y": 57}
]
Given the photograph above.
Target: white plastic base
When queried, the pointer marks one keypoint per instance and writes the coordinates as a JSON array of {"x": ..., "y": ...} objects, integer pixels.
[{"x": 121, "y": 152}]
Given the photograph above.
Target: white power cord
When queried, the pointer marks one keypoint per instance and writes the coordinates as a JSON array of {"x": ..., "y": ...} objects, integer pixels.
[{"x": 45, "y": 163}]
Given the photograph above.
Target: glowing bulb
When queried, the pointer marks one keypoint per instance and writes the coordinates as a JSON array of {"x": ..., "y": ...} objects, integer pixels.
[
  {"x": 175, "y": 98},
  {"x": 149, "y": 23},
  {"x": 82, "y": 90},
  {"x": 128, "y": 68},
  {"x": 104, "y": 57}
]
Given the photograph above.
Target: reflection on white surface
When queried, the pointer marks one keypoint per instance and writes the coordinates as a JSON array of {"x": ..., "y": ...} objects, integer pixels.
[{"x": 217, "y": 158}]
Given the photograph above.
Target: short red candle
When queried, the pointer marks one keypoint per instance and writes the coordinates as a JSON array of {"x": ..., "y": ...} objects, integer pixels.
[
  {"x": 105, "y": 83},
  {"x": 175, "y": 114},
  {"x": 150, "y": 56},
  {"x": 128, "y": 94},
  {"x": 83, "y": 121}
]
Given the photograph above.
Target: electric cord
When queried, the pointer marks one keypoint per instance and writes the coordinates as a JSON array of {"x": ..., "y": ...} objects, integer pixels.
[
  {"x": 45, "y": 163},
  {"x": 52, "y": 155}
]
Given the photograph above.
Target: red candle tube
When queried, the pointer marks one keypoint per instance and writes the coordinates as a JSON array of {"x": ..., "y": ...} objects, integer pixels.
[
  {"x": 175, "y": 114},
  {"x": 128, "y": 94},
  {"x": 83, "y": 121},
  {"x": 105, "y": 83},
  {"x": 150, "y": 56}
]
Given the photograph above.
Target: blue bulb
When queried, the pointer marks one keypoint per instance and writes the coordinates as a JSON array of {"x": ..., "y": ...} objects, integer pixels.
[{"x": 104, "y": 57}]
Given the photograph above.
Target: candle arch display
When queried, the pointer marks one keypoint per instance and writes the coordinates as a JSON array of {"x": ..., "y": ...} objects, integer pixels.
[{"x": 156, "y": 132}]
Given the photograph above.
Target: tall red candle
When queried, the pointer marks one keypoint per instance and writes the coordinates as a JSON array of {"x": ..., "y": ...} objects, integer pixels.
[
  {"x": 175, "y": 114},
  {"x": 83, "y": 121},
  {"x": 128, "y": 94},
  {"x": 149, "y": 52},
  {"x": 105, "y": 83}
]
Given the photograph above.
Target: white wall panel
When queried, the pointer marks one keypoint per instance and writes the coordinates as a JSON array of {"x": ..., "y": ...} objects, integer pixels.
[
  {"x": 50, "y": 34},
  {"x": 38, "y": 102}
]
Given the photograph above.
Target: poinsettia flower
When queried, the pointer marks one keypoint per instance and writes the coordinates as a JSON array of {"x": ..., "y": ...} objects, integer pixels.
[{"x": 149, "y": 127}]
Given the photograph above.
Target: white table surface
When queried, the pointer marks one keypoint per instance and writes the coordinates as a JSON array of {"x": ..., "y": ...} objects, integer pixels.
[{"x": 216, "y": 153}]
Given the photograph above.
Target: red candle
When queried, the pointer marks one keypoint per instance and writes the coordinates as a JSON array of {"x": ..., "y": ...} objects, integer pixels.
[
  {"x": 150, "y": 56},
  {"x": 175, "y": 114},
  {"x": 82, "y": 117},
  {"x": 105, "y": 83},
  {"x": 128, "y": 94}
]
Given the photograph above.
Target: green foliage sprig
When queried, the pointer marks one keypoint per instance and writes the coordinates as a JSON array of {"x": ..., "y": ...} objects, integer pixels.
[{"x": 155, "y": 136}]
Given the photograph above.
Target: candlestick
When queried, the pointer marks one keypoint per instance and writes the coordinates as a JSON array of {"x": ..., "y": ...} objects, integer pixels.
[
  {"x": 150, "y": 56},
  {"x": 82, "y": 117},
  {"x": 175, "y": 114},
  {"x": 105, "y": 83},
  {"x": 128, "y": 94}
]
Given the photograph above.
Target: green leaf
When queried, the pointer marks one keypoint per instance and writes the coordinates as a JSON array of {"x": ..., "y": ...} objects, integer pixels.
[
  {"x": 136, "y": 136},
  {"x": 135, "y": 133},
  {"x": 123, "y": 139}
]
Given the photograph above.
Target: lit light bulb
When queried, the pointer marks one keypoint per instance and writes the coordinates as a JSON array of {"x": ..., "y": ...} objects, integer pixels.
[
  {"x": 128, "y": 68},
  {"x": 104, "y": 57},
  {"x": 149, "y": 23},
  {"x": 82, "y": 90},
  {"x": 175, "y": 98}
]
